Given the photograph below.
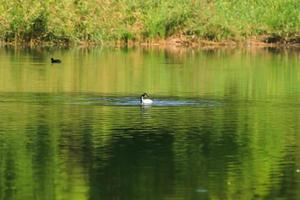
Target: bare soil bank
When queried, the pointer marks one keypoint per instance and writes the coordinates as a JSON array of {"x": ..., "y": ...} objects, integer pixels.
[
  {"x": 193, "y": 42},
  {"x": 178, "y": 42}
]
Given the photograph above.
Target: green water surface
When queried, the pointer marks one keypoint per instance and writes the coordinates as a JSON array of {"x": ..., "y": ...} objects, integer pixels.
[{"x": 225, "y": 124}]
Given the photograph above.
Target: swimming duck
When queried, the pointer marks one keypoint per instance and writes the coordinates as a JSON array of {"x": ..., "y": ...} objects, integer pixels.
[
  {"x": 55, "y": 60},
  {"x": 145, "y": 101}
]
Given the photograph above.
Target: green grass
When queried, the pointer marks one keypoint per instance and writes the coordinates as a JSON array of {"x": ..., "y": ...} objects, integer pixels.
[{"x": 72, "y": 21}]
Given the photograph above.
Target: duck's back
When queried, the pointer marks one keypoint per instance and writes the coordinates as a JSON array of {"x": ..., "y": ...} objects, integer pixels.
[{"x": 147, "y": 101}]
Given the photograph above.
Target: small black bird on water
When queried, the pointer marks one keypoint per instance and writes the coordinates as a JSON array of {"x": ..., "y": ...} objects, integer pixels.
[{"x": 55, "y": 60}]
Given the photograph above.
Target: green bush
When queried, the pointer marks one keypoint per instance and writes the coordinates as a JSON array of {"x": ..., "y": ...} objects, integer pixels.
[{"x": 109, "y": 20}]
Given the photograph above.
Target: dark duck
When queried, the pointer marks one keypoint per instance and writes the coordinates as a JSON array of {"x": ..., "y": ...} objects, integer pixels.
[{"x": 55, "y": 60}]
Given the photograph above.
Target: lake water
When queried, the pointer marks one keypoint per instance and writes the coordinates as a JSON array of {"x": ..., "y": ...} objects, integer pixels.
[{"x": 225, "y": 124}]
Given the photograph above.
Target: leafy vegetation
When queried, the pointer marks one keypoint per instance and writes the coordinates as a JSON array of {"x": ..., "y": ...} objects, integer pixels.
[{"x": 142, "y": 20}]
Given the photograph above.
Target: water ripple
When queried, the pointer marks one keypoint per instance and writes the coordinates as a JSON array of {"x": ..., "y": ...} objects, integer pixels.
[{"x": 130, "y": 101}]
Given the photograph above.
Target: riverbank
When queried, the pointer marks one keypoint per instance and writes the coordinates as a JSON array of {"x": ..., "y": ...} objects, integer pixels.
[
  {"x": 194, "y": 42},
  {"x": 148, "y": 22},
  {"x": 172, "y": 42}
]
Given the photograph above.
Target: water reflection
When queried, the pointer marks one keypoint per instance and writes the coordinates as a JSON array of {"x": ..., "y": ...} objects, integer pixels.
[
  {"x": 115, "y": 152},
  {"x": 238, "y": 141}
]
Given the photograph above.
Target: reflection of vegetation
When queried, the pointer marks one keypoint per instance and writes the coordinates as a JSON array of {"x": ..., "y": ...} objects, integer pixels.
[
  {"x": 79, "y": 151},
  {"x": 160, "y": 73},
  {"x": 242, "y": 148}
]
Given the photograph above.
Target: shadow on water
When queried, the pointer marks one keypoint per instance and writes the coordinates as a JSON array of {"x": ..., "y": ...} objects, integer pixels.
[
  {"x": 41, "y": 144},
  {"x": 135, "y": 170}
]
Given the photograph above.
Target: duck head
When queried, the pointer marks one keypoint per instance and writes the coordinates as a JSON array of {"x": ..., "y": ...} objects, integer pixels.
[{"x": 143, "y": 96}]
